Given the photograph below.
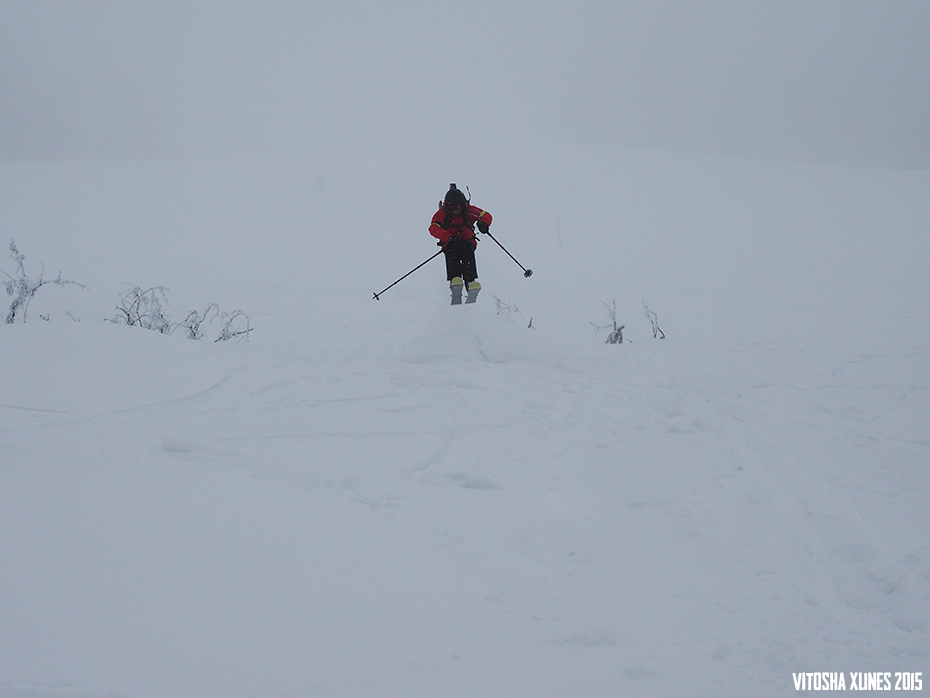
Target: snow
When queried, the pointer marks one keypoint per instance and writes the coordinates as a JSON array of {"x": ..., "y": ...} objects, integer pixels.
[{"x": 401, "y": 498}]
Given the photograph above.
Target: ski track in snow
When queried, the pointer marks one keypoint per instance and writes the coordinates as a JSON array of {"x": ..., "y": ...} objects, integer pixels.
[{"x": 405, "y": 498}]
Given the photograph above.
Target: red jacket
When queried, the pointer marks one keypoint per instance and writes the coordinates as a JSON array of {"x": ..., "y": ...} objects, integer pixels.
[{"x": 458, "y": 227}]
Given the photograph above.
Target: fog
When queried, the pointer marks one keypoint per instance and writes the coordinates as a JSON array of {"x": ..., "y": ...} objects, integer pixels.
[{"x": 840, "y": 81}]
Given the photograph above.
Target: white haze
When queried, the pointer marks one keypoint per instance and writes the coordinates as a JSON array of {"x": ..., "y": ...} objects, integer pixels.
[
  {"x": 835, "y": 81},
  {"x": 401, "y": 498}
]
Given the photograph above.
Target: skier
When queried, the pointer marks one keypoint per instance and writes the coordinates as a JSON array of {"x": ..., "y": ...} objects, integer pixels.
[{"x": 454, "y": 226}]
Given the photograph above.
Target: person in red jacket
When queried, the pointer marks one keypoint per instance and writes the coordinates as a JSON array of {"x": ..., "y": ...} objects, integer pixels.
[{"x": 454, "y": 226}]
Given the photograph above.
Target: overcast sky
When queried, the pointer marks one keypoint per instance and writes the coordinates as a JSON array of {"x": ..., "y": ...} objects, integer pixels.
[{"x": 831, "y": 80}]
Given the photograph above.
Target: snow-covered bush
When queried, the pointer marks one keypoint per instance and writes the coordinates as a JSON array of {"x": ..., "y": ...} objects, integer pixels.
[
  {"x": 194, "y": 322},
  {"x": 615, "y": 331},
  {"x": 615, "y": 336},
  {"x": 506, "y": 307},
  {"x": 23, "y": 287},
  {"x": 143, "y": 308},
  {"x": 233, "y": 325},
  {"x": 657, "y": 332}
]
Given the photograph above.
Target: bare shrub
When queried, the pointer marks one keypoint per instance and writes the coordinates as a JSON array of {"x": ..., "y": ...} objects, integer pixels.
[
  {"x": 143, "y": 309},
  {"x": 508, "y": 308},
  {"x": 24, "y": 287},
  {"x": 233, "y": 325},
  {"x": 615, "y": 335},
  {"x": 194, "y": 323},
  {"x": 657, "y": 332}
]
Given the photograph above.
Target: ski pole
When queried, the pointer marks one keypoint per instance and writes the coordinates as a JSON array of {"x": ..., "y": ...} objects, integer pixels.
[
  {"x": 526, "y": 272},
  {"x": 376, "y": 296}
]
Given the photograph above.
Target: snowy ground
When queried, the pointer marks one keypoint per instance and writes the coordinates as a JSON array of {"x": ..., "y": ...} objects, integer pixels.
[{"x": 400, "y": 498}]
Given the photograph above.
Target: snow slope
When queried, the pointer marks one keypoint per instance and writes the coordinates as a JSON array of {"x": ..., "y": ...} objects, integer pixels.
[{"x": 399, "y": 498}]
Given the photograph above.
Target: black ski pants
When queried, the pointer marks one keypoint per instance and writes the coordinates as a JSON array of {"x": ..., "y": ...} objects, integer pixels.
[{"x": 460, "y": 259}]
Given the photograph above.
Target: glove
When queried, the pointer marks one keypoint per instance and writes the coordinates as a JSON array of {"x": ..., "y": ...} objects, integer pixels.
[{"x": 482, "y": 227}]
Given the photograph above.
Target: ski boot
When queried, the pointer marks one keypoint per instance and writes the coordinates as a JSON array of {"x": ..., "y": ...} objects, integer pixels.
[
  {"x": 473, "y": 289},
  {"x": 456, "y": 286}
]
